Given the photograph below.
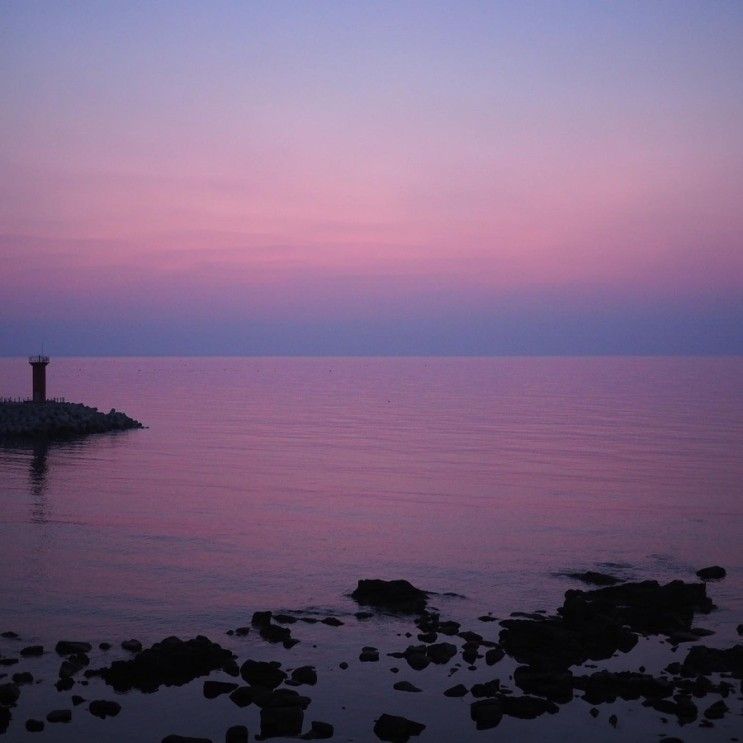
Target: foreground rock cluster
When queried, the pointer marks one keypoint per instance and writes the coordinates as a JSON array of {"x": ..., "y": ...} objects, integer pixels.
[
  {"x": 556, "y": 658},
  {"x": 50, "y": 420}
]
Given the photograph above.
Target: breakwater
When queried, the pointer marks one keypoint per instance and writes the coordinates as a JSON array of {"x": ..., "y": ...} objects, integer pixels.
[{"x": 58, "y": 419}]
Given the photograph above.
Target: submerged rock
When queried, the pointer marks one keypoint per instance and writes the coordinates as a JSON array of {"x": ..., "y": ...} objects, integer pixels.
[
  {"x": 103, "y": 708},
  {"x": 59, "y": 715},
  {"x": 595, "y": 578},
  {"x": 34, "y": 726},
  {"x": 703, "y": 660},
  {"x": 397, "y": 729},
  {"x": 319, "y": 731},
  {"x": 714, "y": 572},
  {"x": 397, "y": 595},
  {"x": 171, "y": 662}
]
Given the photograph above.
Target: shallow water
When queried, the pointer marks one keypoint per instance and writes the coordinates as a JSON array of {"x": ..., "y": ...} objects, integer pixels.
[{"x": 277, "y": 483}]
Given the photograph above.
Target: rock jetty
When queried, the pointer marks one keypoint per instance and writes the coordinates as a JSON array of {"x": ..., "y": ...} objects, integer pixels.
[{"x": 50, "y": 420}]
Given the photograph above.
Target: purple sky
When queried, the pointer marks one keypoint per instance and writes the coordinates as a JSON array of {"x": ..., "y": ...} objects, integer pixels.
[{"x": 371, "y": 178}]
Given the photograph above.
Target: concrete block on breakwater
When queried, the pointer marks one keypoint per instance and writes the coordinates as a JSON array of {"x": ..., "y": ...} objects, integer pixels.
[{"x": 58, "y": 419}]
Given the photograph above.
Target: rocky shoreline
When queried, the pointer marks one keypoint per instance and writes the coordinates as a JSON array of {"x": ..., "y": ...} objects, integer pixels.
[
  {"x": 50, "y": 420},
  {"x": 556, "y": 658}
]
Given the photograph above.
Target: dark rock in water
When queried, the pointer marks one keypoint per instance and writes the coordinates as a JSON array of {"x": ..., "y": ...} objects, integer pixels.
[
  {"x": 486, "y": 713},
  {"x": 103, "y": 708},
  {"x": 716, "y": 711},
  {"x": 344, "y": 666},
  {"x": 494, "y": 655},
  {"x": 213, "y": 689},
  {"x": 363, "y": 615},
  {"x": 441, "y": 652},
  {"x": 237, "y": 734},
  {"x": 593, "y": 712},
  {"x": 368, "y": 655},
  {"x": 526, "y": 708},
  {"x": 714, "y": 572},
  {"x": 23, "y": 678},
  {"x": 405, "y": 686},
  {"x": 260, "y": 673},
  {"x": 241, "y": 631},
  {"x": 332, "y": 621},
  {"x": 554, "y": 685},
  {"x": 280, "y": 698},
  {"x": 396, "y": 729},
  {"x": 9, "y": 635},
  {"x": 8, "y": 661},
  {"x": 9, "y": 693},
  {"x": 487, "y": 689},
  {"x": 261, "y": 618},
  {"x": 32, "y": 651},
  {"x": 740, "y": 629},
  {"x": 243, "y": 696},
  {"x": 275, "y": 632},
  {"x": 73, "y": 665},
  {"x": 64, "y": 684},
  {"x": 596, "y": 579},
  {"x": 397, "y": 595},
  {"x": 184, "y": 739},
  {"x": 456, "y": 691},
  {"x": 290, "y": 643},
  {"x": 683, "y": 708},
  {"x": 133, "y": 646},
  {"x": 231, "y": 668},
  {"x": 428, "y": 636},
  {"x": 285, "y": 619},
  {"x": 488, "y": 618},
  {"x": 77, "y": 700},
  {"x": 605, "y": 686},
  {"x": 305, "y": 675},
  {"x": 613, "y": 720},
  {"x": 171, "y": 662},
  {"x": 59, "y": 715},
  {"x": 70, "y": 647},
  {"x": 5, "y": 718},
  {"x": 34, "y": 726},
  {"x": 703, "y": 660},
  {"x": 319, "y": 731},
  {"x": 105, "y": 646},
  {"x": 281, "y": 721}
]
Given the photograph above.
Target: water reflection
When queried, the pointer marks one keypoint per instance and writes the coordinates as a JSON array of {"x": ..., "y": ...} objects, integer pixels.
[{"x": 38, "y": 471}]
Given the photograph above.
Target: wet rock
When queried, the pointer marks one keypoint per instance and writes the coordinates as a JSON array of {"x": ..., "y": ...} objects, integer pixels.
[
  {"x": 716, "y": 711},
  {"x": 281, "y": 721},
  {"x": 488, "y": 618},
  {"x": 241, "y": 631},
  {"x": 70, "y": 647},
  {"x": 275, "y": 632},
  {"x": 213, "y": 689},
  {"x": 441, "y": 652},
  {"x": 64, "y": 684},
  {"x": 34, "y": 726},
  {"x": 363, "y": 615},
  {"x": 8, "y": 661},
  {"x": 243, "y": 696},
  {"x": 344, "y": 666},
  {"x": 397, "y": 595},
  {"x": 23, "y": 678},
  {"x": 284, "y": 619},
  {"x": 9, "y": 635},
  {"x": 237, "y": 734},
  {"x": 405, "y": 686},
  {"x": 487, "y": 689},
  {"x": 73, "y": 665},
  {"x": 740, "y": 629},
  {"x": 59, "y": 715},
  {"x": 593, "y": 712},
  {"x": 703, "y": 660},
  {"x": 9, "y": 693},
  {"x": 369, "y": 655},
  {"x": 494, "y": 655},
  {"x": 605, "y": 686},
  {"x": 319, "y": 731},
  {"x": 396, "y": 729},
  {"x": 5, "y": 717},
  {"x": 280, "y": 698},
  {"x": 261, "y": 618},
  {"x": 486, "y": 713},
  {"x": 171, "y": 662},
  {"x": 714, "y": 572},
  {"x": 77, "y": 700},
  {"x": 133, "y": 646},
  {"x": 260, "y": 673},
  {"x": 32, "y": 651},
  {"x": 554, "y": 685},
  {"x": 105, "y": 646},
  {"x": 428, "y": 636},
  {"x": 332, "y": 622},
  {"x": 231, "y": 668},
  {"x": 613, "y": 720},
  {"x": 456, "y": 691},
  {"x": 104, "y": 708},
  {"x": 596, "y": 579},
  {"x": 305, "y": 675}
]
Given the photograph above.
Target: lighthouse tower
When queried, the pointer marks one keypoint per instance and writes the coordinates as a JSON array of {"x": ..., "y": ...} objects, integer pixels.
[{"x": 38, "y": 364}]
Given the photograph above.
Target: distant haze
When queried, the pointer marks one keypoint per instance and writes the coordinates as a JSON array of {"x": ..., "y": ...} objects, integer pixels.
[{"x": 371, "y": 178}]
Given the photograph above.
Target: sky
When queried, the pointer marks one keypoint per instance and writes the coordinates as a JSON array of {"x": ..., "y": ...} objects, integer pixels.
[{"x": 371, "y": 178}]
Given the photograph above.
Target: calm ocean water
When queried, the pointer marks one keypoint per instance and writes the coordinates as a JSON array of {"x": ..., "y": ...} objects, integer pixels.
[{"x": 277, "y": 483}]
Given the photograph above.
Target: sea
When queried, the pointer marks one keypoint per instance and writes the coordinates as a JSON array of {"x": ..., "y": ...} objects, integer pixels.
[{"x": 277, "y": 483}]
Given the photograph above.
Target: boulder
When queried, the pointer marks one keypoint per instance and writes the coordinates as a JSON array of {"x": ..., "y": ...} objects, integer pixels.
[
  {"x": 104, "y": 708},
  {"x": 396, "y": 595},
  {"x": 59, "y": 715},
  {"x": 305, "y": 675},
  {"x": 213, "y": 689},
  {"x": 34, "y": 726},
  {"x": 237, "y": 734},
  {"x": 70, "y": 647},
  {"x": 396, "y": 729},
  {"x": 405, "y": 686},
  {"x": 526, "y": 707},
  {"x": 456, "y": 691},
  {"x": 319, "y": 731},
  {"x": 9, "y": 693},
  {"x": 281, "y": 721},
  {"x": 714, "y": 572},
  {"x": 486, "y": 713},
  {"x": 261, "y": 673}
]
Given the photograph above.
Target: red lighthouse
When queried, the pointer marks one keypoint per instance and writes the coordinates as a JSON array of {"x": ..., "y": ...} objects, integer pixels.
[{"x": 38, "y": 364}]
